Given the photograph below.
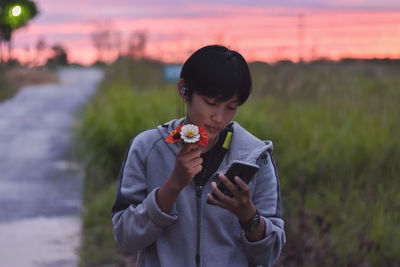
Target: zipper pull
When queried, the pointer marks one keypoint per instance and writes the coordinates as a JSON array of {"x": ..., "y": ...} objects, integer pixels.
[{"x": 199, "y": 189}]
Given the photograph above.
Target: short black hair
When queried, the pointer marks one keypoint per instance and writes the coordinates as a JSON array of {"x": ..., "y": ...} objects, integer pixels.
[{"x": 216, "y": 71}]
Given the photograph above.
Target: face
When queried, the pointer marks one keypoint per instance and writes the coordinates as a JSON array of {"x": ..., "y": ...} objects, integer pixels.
[{"x": 213, "y": 115}]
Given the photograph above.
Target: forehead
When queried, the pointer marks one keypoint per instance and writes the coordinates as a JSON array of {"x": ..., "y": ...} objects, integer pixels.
[{"x": 234, "y": 99}]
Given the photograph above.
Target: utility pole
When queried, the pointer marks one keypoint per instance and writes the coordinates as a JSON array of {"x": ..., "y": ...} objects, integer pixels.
[{"x": 300, "y": 36}]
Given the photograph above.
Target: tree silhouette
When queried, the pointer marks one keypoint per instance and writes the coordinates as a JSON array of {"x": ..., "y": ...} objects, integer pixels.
[
  {"x": 14, "y": 14},
  {"x": 137, "y": 44},
  {"x": 59, "y": 57}
]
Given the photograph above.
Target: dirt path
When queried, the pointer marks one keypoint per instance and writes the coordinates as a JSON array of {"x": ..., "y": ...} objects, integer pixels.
[{"x": 40, "y": 188}]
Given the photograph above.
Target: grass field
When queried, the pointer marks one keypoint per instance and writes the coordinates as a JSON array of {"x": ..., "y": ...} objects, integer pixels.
[{"x": 335, "y": 131}]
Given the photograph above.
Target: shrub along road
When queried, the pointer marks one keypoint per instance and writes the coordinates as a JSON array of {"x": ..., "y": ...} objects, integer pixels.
[{"x": 40, "y": 187}]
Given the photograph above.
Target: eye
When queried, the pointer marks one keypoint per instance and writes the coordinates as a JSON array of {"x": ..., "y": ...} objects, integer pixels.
[
  {"x": 232, "y": 108},
  {"x": 209, "y": 103}
]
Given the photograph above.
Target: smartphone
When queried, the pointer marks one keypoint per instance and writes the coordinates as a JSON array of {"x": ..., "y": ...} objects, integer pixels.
[{"x": 244, "y": 170}]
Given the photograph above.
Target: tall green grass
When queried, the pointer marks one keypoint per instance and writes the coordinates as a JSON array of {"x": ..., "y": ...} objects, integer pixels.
[
  {"x": 335, "y": 130},
  {"x": 131, "y": 99},
  {"x": 7, "y": 89}
]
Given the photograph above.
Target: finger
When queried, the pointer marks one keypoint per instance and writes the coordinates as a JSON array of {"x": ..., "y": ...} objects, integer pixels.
[
  {"x": 219, "y": 194},
  {"x": 195, "y": 151},
  {"x": 242, "y": 185},
  {"x": 215, "y": 201},
  {"x": 186, "y": 148},
  {"x": 197, "y": 169},
  {"x": 196, "y": 161},
  {"x": 193, "y": 146},
  {"x": 211, "y": 198},
  {"x": 231, "y": 187},
  {"x": 192, "y": 156},
  {"x": 191, "y": 149}
]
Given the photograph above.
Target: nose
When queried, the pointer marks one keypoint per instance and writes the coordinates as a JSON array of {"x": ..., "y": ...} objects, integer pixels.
[{"x": 217, "y": 116}]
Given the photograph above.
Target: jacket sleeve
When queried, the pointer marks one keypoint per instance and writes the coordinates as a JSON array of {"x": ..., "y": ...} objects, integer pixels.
[
  {"x": 266, "y": 198},
  {"x": 136, "y": 217}
]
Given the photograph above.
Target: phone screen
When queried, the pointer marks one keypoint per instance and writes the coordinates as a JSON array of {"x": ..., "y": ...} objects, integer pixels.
[{"x": 244, "y": 171}]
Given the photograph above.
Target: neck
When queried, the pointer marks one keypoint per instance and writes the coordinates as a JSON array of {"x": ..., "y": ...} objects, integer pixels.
[{"x": 210, "y": 145}]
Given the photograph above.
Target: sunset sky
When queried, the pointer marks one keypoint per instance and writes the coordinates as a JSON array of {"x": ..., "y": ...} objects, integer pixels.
[{"x": 259, "y": 29}]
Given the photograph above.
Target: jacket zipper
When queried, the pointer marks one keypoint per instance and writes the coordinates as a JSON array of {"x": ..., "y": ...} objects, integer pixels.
[{"x": 199, "y": 190}]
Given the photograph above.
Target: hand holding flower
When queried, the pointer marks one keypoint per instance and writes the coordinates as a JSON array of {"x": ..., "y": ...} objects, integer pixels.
[
  {"x": 188, "y": 160},
  {"x": 187, "y": 164}
]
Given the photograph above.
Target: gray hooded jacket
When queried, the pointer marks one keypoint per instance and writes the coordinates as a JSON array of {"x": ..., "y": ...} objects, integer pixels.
[{"x": 194, "y": 233}]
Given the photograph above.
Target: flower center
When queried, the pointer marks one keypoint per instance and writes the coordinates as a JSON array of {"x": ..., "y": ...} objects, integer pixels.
[{"x": 190, "y": 134}]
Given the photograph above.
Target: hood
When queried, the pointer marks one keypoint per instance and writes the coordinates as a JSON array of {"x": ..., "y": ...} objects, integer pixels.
[
  {"x": 245, "y": 146},
  {"x": 167, "y": 128}
]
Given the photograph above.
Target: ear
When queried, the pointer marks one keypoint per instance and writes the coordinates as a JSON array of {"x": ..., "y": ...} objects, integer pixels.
[{"x": 179, "y": 87}]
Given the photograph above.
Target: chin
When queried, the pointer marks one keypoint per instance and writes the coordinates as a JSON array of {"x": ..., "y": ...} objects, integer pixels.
[{"x": 212, "y": 135}]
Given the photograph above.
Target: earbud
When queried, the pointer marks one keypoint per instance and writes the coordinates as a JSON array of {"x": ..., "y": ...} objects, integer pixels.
[{"x": 183, "y": 91}]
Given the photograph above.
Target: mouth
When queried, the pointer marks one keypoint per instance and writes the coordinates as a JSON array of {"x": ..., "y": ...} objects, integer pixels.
[{"x": 212, "y": 129}]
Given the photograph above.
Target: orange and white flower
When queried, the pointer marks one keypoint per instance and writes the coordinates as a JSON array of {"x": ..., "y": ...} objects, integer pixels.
[
  {"x": 203, "y": 141},
  {"x": 174, "y": 136},
  {"x": 188, "y": 133}
]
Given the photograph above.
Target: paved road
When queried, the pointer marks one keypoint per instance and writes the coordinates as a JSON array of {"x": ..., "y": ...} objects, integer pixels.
[{"x": 40, "y": 187}]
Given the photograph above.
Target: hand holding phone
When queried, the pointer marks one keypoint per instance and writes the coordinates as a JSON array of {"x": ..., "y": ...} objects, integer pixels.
[{"x": 242, "y": 169}]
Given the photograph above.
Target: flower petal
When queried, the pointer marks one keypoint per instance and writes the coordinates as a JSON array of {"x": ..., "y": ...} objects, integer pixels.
[{"x": 190, "y": 133}]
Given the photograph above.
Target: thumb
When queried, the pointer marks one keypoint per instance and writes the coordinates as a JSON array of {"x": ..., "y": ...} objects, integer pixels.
[{"x": 189, "y": 147}]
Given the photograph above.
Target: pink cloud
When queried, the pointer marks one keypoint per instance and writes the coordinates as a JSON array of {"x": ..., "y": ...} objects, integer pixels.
[{"x": 259, "y": 33}]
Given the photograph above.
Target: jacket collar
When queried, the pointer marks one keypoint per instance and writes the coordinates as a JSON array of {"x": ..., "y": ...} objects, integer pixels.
[{"x": 244, "y": 146}]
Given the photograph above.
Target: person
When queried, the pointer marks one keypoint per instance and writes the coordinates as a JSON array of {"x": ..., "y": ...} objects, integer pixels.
[{"x": 165, "y": 207}]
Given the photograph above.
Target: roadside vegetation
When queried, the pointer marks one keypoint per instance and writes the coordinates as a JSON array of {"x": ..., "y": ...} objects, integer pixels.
[
  {"x": 13, "y": 78},
  {"x": 7, "y": 89},
  {"x": 335, "y": 131}
]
